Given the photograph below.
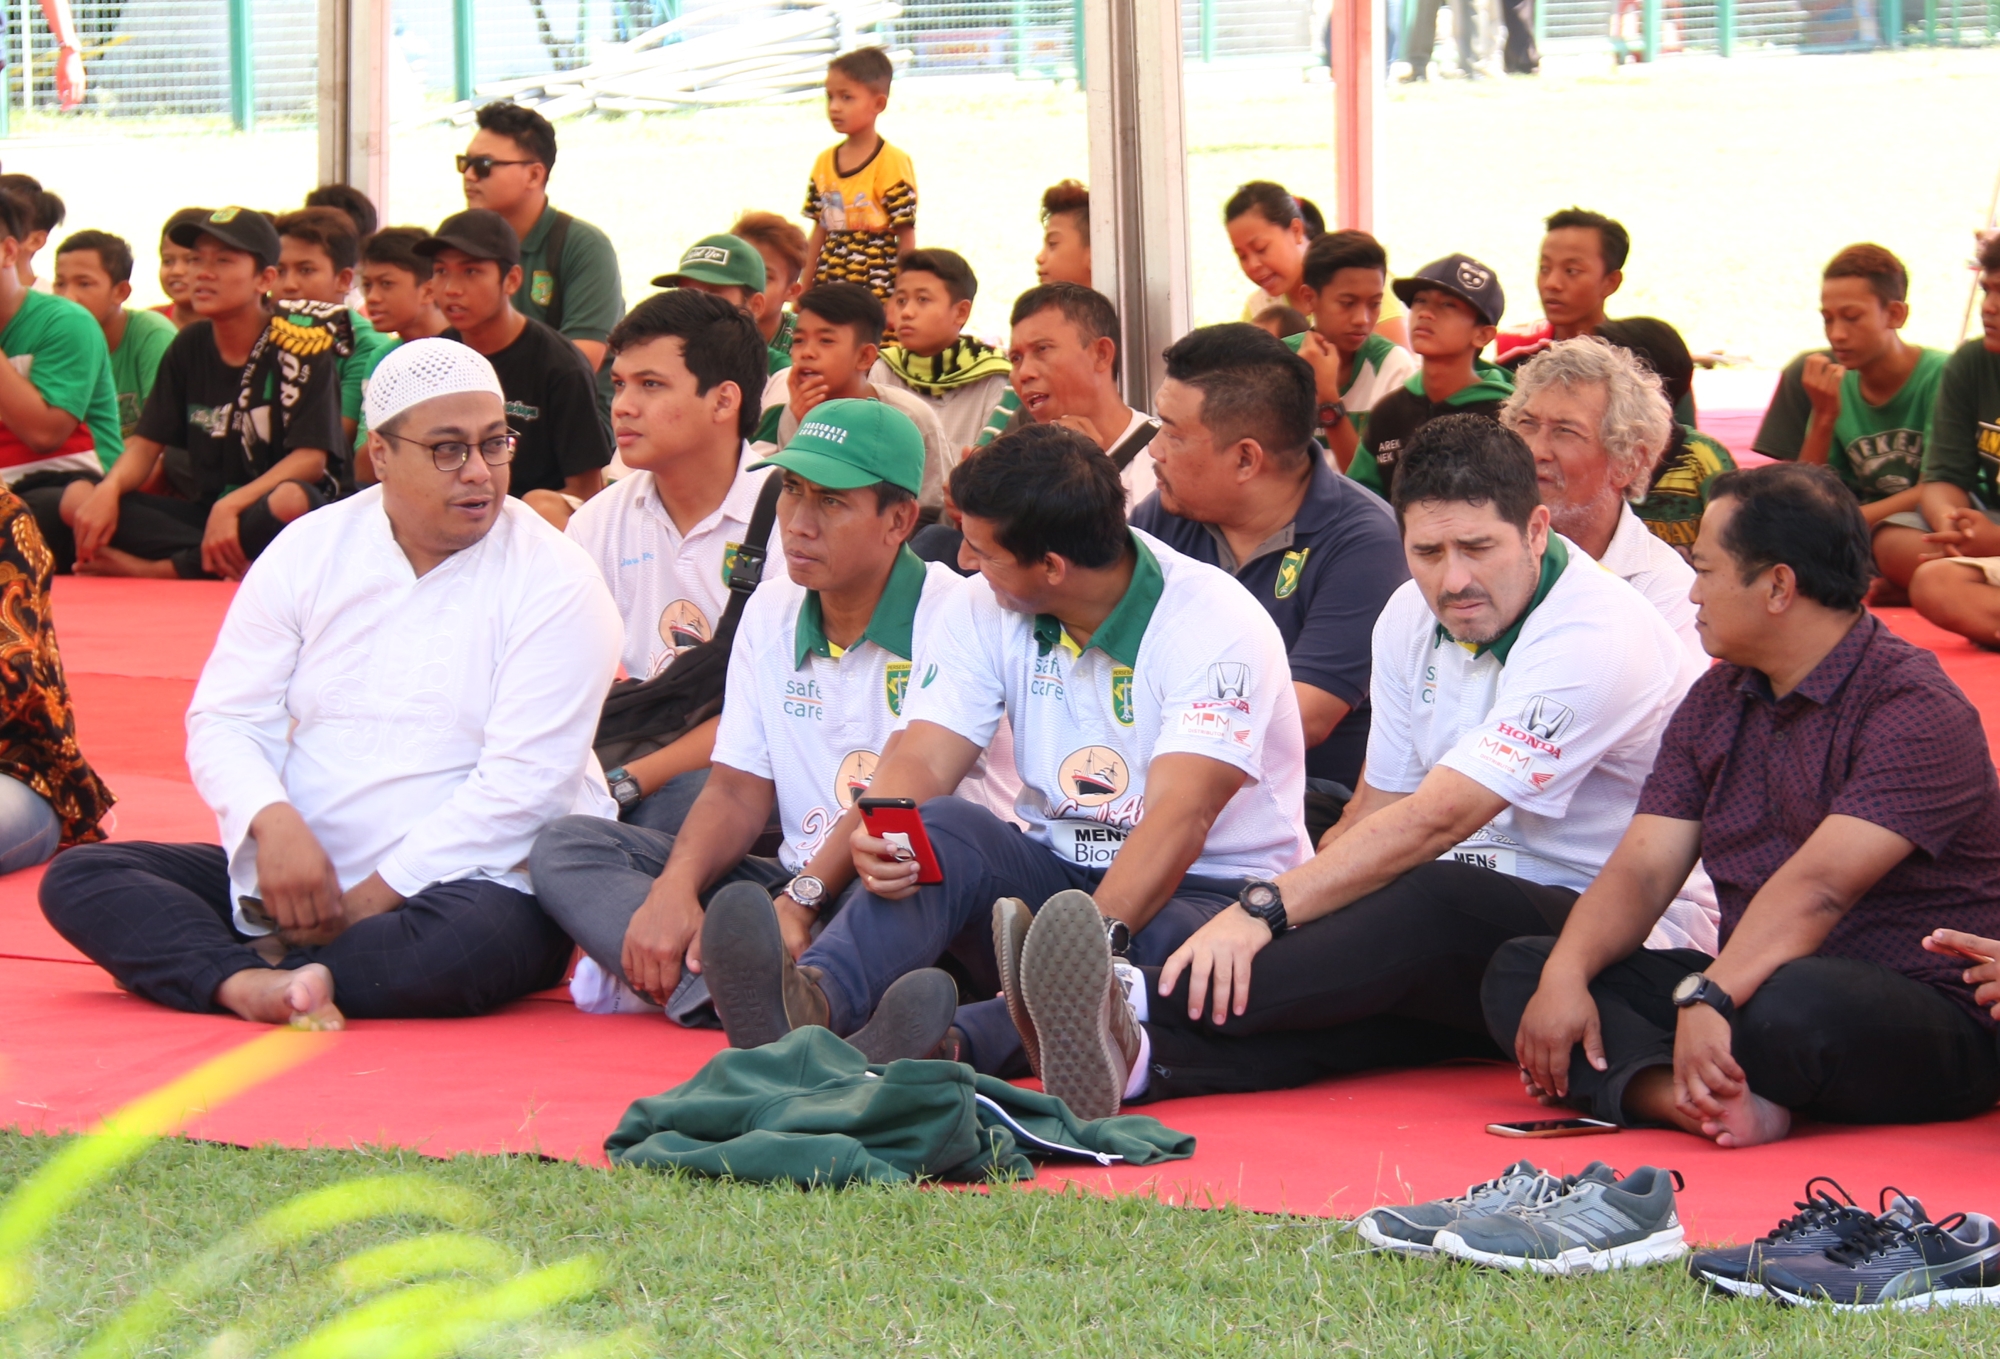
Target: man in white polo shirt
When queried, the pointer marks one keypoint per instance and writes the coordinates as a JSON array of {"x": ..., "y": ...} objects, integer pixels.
[
  {"x": 818, "y": 679},
  {"x": 401, "y": 698},
  {"x": 686, "y": 368},
  {"x": 1156, "y": 734},
  {"x": 1520, "y": 691}
]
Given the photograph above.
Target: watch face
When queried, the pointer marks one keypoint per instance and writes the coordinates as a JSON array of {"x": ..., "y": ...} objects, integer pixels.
[
  {"x": 1686, "y": 987},
  {"x": 1259, "y": 896}
]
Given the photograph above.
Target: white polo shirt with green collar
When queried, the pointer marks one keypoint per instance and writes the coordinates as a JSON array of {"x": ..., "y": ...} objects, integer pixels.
[
  {"x": 1560, "y": 715},
  {"x": 1186, "y": 663},
  {"x": 812, "y": 717}
]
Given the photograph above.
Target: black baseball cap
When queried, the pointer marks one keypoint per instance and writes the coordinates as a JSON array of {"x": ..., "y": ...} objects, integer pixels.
[
  {"x": 1461, "y": 276},
  {"x": 482, "y": 234},
  {"x": 244, "y": 229}
]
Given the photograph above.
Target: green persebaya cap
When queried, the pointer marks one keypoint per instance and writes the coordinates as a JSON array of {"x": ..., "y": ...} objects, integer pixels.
[
  {"x": 726, "y": 261},
  {"x": 846, "y": 444}
]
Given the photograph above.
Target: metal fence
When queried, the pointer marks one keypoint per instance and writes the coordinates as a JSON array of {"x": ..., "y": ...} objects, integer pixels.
[
  {"x": 175, "y": 57},
  {"x": 1742, "y": 27}
]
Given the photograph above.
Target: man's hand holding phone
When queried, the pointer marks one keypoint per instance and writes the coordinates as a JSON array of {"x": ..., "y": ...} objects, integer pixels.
[{"x": 889, "y": 871}]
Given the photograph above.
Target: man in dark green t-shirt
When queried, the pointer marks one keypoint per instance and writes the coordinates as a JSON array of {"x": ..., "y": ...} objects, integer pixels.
[
  {"x": 569, "y": 271},
  {"x": 1960, "y": 589}
]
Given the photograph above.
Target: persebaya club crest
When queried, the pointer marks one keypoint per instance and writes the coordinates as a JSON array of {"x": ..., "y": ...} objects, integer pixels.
[
  {"x": 1121, "y": 694},
  {"x": 895, "y": 684},
  {"x": 542, "y": 287},
  {"x": 1289, "y": 571},
  {"x": 730, "y": 551}
]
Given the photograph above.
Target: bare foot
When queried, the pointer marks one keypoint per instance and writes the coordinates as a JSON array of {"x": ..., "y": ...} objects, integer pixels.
[
  {"x": 109, "y": 561},
  {"x": 1749, "y": 1120},
  {"x": 267, "y": 995}
]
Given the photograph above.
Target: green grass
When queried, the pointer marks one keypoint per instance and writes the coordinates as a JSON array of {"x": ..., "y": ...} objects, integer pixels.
[
  {"x": 702, "y": 1268},
  {"x": 1738, "y": 179}
]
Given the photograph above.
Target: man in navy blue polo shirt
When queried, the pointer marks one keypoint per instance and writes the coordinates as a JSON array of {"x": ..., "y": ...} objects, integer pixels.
[{"x": 1242, "y": 486}]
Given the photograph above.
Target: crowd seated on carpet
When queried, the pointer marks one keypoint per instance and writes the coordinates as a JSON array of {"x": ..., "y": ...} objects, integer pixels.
[{"x": 1385, "y": 687}]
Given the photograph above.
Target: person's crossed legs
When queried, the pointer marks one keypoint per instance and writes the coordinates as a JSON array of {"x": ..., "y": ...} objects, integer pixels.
[
  {"x": 158, "y": 919},
  {"x": 1829, "y": 1038}
]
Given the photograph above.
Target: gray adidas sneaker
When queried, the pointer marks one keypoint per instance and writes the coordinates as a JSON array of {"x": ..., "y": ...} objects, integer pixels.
[
  {"x": 1088, "y": 1036},
  {"x": 1590, "y": 1226},
  {"x": 1413, "y": 1227},
  {"x": 1011, "y": 921}
]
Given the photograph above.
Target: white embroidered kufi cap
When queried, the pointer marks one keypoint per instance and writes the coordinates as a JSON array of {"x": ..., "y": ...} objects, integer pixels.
[{"x": 420, "y": 370}]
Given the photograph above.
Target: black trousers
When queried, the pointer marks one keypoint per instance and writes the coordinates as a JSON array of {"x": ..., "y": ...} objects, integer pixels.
[
  {"x": 1831, "y": 1038},
  {"x": 1392, "y": 980},
  {"x": 160, "y": 528},
  {"x": 157, "y": 918},
  {"x": 1520, "y": 56}
]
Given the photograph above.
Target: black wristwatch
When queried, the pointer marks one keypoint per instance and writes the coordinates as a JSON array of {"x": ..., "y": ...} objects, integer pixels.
[
  {"x": 1331, "y": 413},
  {"x": 624, "y": 788},
  {"x": 1264, "y": 901},
  {"x": 1696, "y": 989}
]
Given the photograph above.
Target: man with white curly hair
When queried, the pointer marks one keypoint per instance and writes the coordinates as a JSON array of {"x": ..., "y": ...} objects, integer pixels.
[
  {"x": 1597, "y": 422},
  {"x": 402, "y": 696}
]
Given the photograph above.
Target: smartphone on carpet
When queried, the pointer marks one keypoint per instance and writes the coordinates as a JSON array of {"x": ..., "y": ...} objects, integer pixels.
[
  {"x": 897, "y": 820},
  {"x": 1553, "y": 1127}
]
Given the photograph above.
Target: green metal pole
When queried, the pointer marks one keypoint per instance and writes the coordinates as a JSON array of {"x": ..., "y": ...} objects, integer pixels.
[
  {"x": 1076, "y": 42},
  {"x": 1892, "y": 23},
  {"x": 1207, "y": 30},
  {"x": 1725, "y": 28},
  {"x": 242, "y": 71},
  {"x": 1650, "y": 20},
  {"x": 1541, "y": 24},
  {"x": 1017, "y": 37},
  {"x": 461, "y": 48}
]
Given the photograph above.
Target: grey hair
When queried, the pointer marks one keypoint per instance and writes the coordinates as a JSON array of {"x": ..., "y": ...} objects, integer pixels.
[{"x": 1637, "y": 423}]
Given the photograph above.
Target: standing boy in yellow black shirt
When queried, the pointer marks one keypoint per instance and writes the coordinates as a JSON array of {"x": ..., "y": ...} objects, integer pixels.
[{"x": 863, "y": 194}]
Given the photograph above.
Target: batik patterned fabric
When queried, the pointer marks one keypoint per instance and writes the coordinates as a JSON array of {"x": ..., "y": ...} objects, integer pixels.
[
  {"x": 861, "y": 212},
  {"x": 38, "y": 739}
]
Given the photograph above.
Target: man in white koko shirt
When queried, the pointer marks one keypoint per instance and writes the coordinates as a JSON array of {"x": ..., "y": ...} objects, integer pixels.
[{"x": 402, "y": 696}]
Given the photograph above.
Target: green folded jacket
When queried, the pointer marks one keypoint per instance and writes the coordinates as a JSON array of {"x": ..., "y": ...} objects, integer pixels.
[{"x": 809, "y": 1109}]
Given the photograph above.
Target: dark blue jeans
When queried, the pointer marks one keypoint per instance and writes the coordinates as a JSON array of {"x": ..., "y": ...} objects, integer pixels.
[
  {"x": 872, "y": 941},
  {"x": 157, "y": 918}
]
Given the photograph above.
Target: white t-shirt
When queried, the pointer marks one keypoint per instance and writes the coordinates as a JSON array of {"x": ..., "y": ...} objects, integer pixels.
[
  {"x": 1186, "y": 664},
  {"x": 670, "y": 589},
  {"x": 1563, "y": 722},
  {"x": 961, "y": 412},
  {"x": 426, "y": 727},
  {"x": 1642, "y": 560},
  {"x": 1637, "y": 556},
  {"x": 1382, "y": 367},
  {"x": 815, "y": 726}
]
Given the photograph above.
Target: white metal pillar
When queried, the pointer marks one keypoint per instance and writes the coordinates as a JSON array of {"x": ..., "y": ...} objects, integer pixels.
[
  {"x": 354, "y": 97},
  {"x": 1359, "y": 65},
  {"x": 1138, "y": 180}
]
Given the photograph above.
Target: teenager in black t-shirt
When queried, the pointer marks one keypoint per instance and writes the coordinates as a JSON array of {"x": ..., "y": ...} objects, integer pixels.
[
  {"x": 565, "y": 442},
  {"x": 255, "y": 402}
]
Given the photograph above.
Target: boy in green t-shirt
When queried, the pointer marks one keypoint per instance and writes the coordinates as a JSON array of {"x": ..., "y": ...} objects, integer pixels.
[
  {"x": 319, "y": 250},
  {"x": 94, "y": 270},
  {"x": 1958, "y": 585},
  {"x": 1347, "y": 273},
  {"x": 1872, "y": 402}
]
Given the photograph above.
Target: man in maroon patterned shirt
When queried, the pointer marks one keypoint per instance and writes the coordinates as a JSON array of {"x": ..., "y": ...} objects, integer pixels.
[{"x": 1840, "y": 791}]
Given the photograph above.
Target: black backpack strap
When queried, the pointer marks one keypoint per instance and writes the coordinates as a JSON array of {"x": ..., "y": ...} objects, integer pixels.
[
  {"x": 1122, "y": 455},
  {"x": 749, "y": 568},
  {"x": 552, "y": 253}
]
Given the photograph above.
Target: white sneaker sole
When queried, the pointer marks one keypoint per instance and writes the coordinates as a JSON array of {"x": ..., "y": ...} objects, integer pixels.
[
  {"x": 1366, "y": 1229},
  {"x": 1742, "y": 1288},
  {"x": 1661, "y": 1246},
  {"x": 1922, "y": 1302}
]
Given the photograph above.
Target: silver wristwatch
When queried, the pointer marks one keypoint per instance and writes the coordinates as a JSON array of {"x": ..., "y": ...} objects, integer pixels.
[{"x": 807, "y": 890}]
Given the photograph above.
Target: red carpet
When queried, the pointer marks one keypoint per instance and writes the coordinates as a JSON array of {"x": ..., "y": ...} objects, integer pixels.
[{"x": 540, "y": 1077}]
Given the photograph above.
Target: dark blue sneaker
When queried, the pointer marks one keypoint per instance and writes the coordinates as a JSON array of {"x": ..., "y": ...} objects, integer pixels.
[
  {"x": 1822, "y": 1222},
  {"x": 1951, "y": 1263}
]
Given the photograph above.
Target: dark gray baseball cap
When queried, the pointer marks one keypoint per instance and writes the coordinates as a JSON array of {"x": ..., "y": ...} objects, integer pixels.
[{"x": 1462, "y": 276}]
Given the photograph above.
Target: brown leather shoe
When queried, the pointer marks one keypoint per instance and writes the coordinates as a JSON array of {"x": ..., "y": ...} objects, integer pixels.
[
  {"x": 1011, "y": 920},
  {"x": 913, "y": 1019},
  {"x": 760, "y": 994},
  {"x": 1088, "y": 1036}
]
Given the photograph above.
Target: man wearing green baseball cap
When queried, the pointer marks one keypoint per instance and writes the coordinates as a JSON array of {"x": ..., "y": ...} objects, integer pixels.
[
  {"x": 817, "y": 678},
  {"x": 725, "y": 265}
]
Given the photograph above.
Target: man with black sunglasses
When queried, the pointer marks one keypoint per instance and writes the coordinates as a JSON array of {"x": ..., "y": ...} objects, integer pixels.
[
  {"x": 402, "y": 697},
  {"x": 565, "y": 441},
  {"x": 569, "y": 270}
]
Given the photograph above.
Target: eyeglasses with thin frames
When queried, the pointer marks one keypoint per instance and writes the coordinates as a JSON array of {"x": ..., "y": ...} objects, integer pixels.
[
  {"x": 482, "y": 166},
  {"x": 452, "y": 454}
]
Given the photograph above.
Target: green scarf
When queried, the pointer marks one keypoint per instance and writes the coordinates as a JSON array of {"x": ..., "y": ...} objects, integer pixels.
[{"x": 963, "y": 362}]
